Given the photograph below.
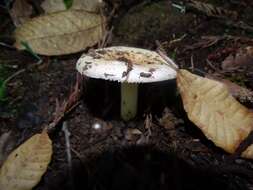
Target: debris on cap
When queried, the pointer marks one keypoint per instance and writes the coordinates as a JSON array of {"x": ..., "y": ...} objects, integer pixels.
[{"x": 125, "y": 64}]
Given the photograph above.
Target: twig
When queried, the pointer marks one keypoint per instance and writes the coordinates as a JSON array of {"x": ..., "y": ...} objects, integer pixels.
[
  {"x": 78, "y": 155},
  {"x": 192, "y": 63},
  {"x": 106, "y": 38},
  {"x": 7, "y": 45},
  {"x": 59, "y": 117},
  {"x": 243, "y": 145},
  {"x": 177, "y": 39},
  {"x": 68, "y": 106},
  {"x": 212, "y": 66},
  {"x": 68, "y": 152},
  {"x": 180, "y": 7},
  {"x": 10, "y": 66},
  {"x": 168, "y": 60},
  {"x": 160, "y": 47},
  {"x": 161, "y": 51},
  {"x": 14, "y": 75},
  {"x": 112, "y": 13},
  {"x": 147, "y": 125}
]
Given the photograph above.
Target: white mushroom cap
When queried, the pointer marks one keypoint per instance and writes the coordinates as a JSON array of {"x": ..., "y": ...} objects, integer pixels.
[{"x": 125, "y": 64}]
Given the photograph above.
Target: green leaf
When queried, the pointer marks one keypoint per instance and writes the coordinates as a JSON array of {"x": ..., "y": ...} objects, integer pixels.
[{"x": 68, "y": 3}]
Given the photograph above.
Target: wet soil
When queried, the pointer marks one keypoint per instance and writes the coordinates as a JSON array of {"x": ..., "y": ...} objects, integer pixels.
[{"x": 166, "y": 151}]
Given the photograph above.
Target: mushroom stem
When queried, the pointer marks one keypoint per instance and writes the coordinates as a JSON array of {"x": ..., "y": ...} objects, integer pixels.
[{"x": 129, "y": 100}]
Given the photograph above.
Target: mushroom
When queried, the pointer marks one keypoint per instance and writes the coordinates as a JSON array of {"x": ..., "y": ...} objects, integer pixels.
[{"x": 129, "y": 66}]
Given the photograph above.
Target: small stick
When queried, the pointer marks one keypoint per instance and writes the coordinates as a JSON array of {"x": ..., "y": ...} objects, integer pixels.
[
  {"x": 192, "y": 63},
  {"x": 177, "y": 39},
  {"x": 212, "y": 66},
  {"x": 147, "y": 125},
  {"x": 7, "y": 45},
  {"x": 66, "y": 106},
  {"x": 68, "y": 152},
  {"x": 78, "y": 155},
  {"x": 181, "y": 8},
  {"x": 162, "y": 53},
  {"x": 106, "y": 38},
  {"x": 13, "y": 76},
  {"x": 243, "y": 145},
  {"x": 160, "y": 47},
  {"x": 168, "y": 60}
]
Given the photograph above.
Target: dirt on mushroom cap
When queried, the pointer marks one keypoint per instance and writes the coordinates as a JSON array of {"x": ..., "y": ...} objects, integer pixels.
[{"x": 125, "y": 64}]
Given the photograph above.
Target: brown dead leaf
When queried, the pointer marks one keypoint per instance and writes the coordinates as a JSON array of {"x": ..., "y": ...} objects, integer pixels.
[
  {"x": 210, "y": 106},
  {"x": 168, "y": 119},
  {"x": 241, "y": 93},
  {"x": 132, "y": 134},
  {"x": 51, "y": 6},
  {"x": 61, "y": 33},
  {"x": 20, "y": 12},
  {"x": 25, "y": 166},
  {"x": 242, "y": 58}
]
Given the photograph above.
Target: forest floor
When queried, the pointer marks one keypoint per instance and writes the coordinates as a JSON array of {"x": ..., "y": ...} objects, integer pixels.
[{"x": 195, "y": 41}]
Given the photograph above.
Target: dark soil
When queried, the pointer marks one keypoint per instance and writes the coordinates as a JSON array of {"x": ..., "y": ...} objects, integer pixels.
[{"x": 167, "y": 153}]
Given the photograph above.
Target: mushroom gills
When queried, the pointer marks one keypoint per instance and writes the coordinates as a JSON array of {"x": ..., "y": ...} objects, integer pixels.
[{"x": 129, "y": 100}]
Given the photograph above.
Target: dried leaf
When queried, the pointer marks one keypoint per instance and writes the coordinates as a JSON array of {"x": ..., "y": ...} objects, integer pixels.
[
  {"x": 242, "y": 58},
  {"x": 211, "y": 10},
  {"x": 61, "y": 33},
  {"x": 168, "y": 119},
  {"x": 132, "y": 134},
  {"x": 239, "y": 92},
  {"x": 51, "y": 6},
  {"x": 20, "y": 12},
  {"x": 25, "y": 166},
  {"x": 210, "y": 106}
]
